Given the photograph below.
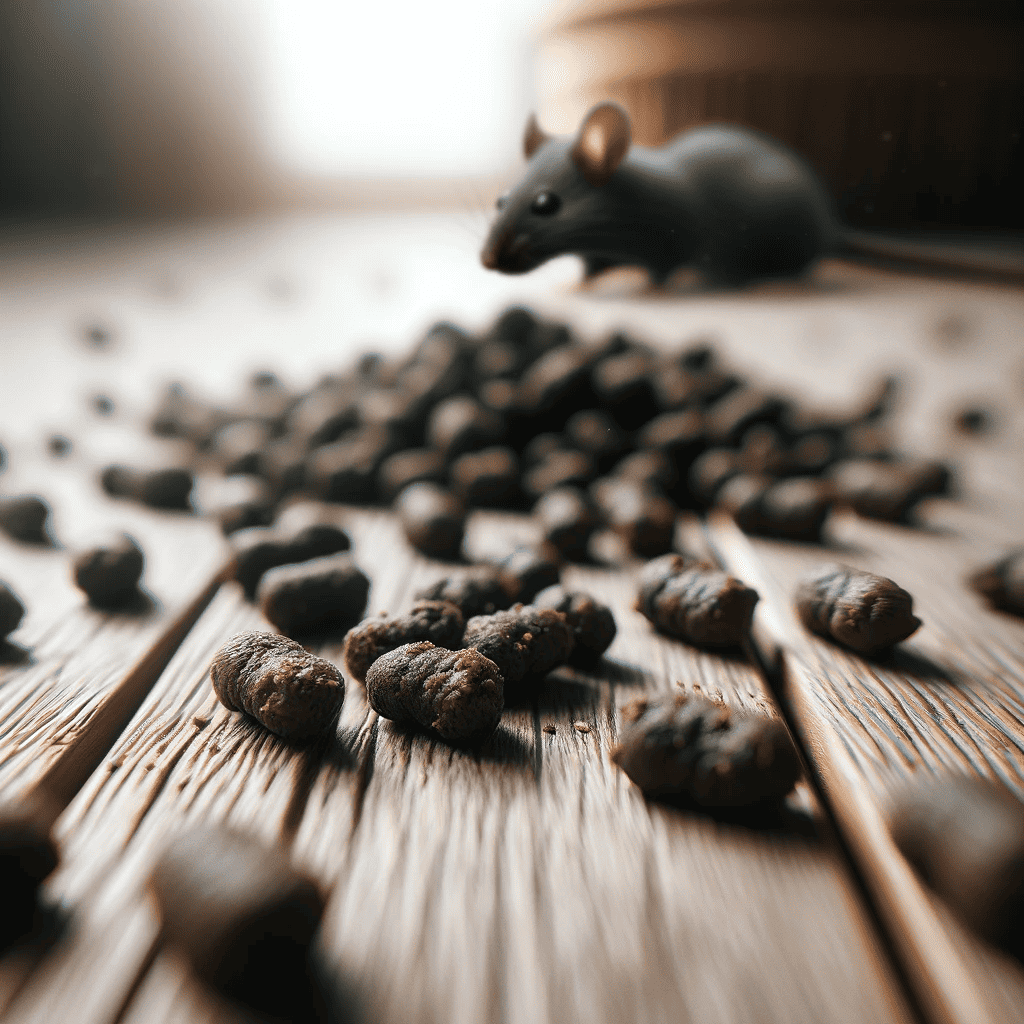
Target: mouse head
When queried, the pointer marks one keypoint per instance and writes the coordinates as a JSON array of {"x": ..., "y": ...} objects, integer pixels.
[{"x": 563, "y": 198}]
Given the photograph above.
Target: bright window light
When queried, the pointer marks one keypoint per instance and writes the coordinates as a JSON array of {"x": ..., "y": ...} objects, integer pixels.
[{"x": 399, "y": 88}]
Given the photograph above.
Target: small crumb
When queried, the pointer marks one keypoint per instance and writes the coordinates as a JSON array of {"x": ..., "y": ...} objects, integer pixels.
[
  {"x": 150, "y": 766},
  {"x": 59, "y": 445},
  {"x": 581, "y": 726},
  {"x": 103, "y": 405},
  {"x": 549, "y": 729},
  {"x": 112, "y": 766},
  {"x": 201, "y": 721}
]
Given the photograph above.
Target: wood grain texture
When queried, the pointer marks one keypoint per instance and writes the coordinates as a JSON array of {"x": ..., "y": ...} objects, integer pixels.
[{"x": 946, "y": 701}]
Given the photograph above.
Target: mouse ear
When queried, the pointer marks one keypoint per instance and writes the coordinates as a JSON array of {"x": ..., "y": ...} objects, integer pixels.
[
  {"x": 603, "y": 140},
  {"x": 534, "y": 137}
]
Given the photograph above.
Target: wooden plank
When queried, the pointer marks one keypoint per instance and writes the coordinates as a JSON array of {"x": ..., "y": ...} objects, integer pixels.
[
  {"x": 526, "y": 881},
  {"x": 74, "y": 675},
  {"x": 947, "y": 701}
]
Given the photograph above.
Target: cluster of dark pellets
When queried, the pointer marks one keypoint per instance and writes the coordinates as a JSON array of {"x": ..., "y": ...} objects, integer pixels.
[
  {"x": 503, "y": 418},
  {"x": 243, "y": 919},
  {"x": 275, "y": 680},
  {"x": 1002, "y": 583},
  {"x": 12, "y": 611},
  {"x": 316, "y": 597},
  {"x": 867, "y": 613},
  {"x": 440, "y": 622},
  {"x": 592, "y": 623},
  {"x": 695, "y": 601},
  {"x": 259, "y": 549},
  {"x": 108, "y": 574},
  {"x": 692, "y": 748},
  {"x": 25, "y": 518},
  {"x": 965, "y": 836},
  {"x": 522, "y": 640},
  {"x": 27, "y": 856},
  {"x": 457, "y": 694}
]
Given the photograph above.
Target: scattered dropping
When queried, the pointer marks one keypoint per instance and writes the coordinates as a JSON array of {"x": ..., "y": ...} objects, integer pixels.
[
  {"x": 974, "y": 421},
  {"x": 158, "y": 488},
  {"x": 478, "y": 591},
  {"x": 440, "y": 622},
  {"x": 59, "y": 445},
  {"x": 567, "y": 518},
  {"x": 433, "y": 519},
  {"x": 549, "y": 729},
  {"x": 695, "y": 602},
  {"x": 103, "y": 405},
  {"x": 275, "y": 680},
  {"x": 592, "y": 623},
  {"x": 1002, "y": 583},
  {"x": 522, "y": 640},
  {"x": 258, "y": 549},
  {"x": 11, "y": 611},
  {"x": 865, "y": 612},
  {"x": 27, "y": 856},
  {"x": 25, "y": 517},
  {"x": 643, "y": 518},
  {"x": 965, "y": 836},
  {"x": 458, "y": 694},
  {"x": 581, "y": 726},
  {"x": 243, "y": 919},
  {"x": 109, "y": 574},
  {"x": 793, "y": 509},
  {"x": 322, "y": 595},
  {"x": 527, "y": 571},
  {"x": 687, "y": 746}
]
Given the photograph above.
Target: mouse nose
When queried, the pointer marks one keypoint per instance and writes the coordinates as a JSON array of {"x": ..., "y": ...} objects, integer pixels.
[{"x": 489, "y": 256}]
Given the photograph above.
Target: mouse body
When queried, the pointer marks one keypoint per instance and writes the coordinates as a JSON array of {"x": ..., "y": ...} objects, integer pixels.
[{"x": 731, "y": 202}]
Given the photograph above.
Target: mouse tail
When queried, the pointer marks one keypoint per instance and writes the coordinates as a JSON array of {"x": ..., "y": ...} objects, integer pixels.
[{"x": 998, "y": 256}]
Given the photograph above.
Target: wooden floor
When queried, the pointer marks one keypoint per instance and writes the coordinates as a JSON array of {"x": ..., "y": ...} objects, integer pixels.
[{"x": 527, "y": 881}]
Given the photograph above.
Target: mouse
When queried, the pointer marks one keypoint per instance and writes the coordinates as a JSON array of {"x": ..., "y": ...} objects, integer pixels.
[{"x": 730, "y": 202}]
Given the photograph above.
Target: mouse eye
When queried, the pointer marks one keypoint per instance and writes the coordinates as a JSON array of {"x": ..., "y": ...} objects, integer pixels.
[
  {"x": 501, "y": 201},
  {"x": 546, "y": 203}
]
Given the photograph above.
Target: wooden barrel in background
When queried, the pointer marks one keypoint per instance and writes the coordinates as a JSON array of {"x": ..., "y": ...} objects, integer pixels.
[{"x": 911, "y": 111}]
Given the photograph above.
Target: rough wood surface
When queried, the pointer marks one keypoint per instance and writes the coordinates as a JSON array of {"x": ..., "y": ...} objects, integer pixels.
[{"x": 527, "y": 881}]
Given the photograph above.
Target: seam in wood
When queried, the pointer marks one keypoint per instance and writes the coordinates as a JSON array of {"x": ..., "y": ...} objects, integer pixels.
[{"x": 69, "y": 772}]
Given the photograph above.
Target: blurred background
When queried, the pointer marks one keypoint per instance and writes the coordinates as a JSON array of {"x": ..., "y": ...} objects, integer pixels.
[{"x": 910, "y": 109}]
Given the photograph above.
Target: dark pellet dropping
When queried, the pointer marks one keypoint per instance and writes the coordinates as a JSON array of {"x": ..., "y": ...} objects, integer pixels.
[
  {"x": 1002, "y": 583},
  {"x": 280, "y": 684},
  {"x": 11, "y": 611},
  {"x": 109, "y": 574},
  {"x": 643, "y": 518},
  {"x": 710, "y": 472},
  {"x": 592, "y": 623},
  {"x": 489, "y": 477},
  {"x": 567, "y": 518},
  {"x": 238, "y": 447},
  {"x": 409, "y": 467},
  {"x": 794, "y": 509},
  {"x": 707, "y": 753},
  {"x": 561, "y": 468},
  {"x": 462, "y": 424},
  {"x": 623, "y": 385},
  {"x": 965, "y": 836},
  {"x": 27, "y": 856},
  {"x": 739, "y": 409},
  {"x": 236, "y": 502},
  {"x": 433, "y": 520},
  {"x": 651, "y": 469},
  {"x": 25, "y": 517},
  {"x": 865, "y": 612},
  {"x": 679, "y": 386},
  {"x": 259, "y": 549},
  {"x": 243, "y": 919},
  {"x": 478, "y": 591},
  {"x": 559, "y": 378},
  {"x": 103, "y": 405},
  {"x": 158, "y": 488},
  {"x": 322, "y": 595},
  {"x": 346, "y": 470},
  {"x": 682, "y": 436},
  {"x": 457, "y": 694},
  {"x": 540, "y": 447},
  {"x": 593, "y": 431},
  {"x": 878, "y": 490},
  {"x": 522, "y": 640},
  {"x": 974, "y": 421},
  {"x": 695, "y": 602},
  {"x": 527, "y": 571},
  {"x": 440, "y": 622},
  {"x": 59, "y": 445}
]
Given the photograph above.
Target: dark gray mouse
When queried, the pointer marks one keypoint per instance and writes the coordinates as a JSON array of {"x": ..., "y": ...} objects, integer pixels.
[{"x": 731, "y": 202}]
